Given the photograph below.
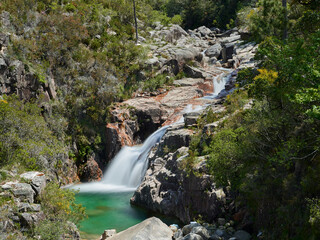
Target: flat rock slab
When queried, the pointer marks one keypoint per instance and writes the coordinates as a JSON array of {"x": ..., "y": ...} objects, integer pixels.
[
  {"x": 150, "y": 229},
  {"x": 179, "y": 97},
  {"x": 188, "y": 82}
]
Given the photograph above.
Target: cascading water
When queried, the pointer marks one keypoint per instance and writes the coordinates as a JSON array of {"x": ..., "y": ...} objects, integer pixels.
[
  {"x": 130, "y": 165},
  {"x": 127, "y": 169}
]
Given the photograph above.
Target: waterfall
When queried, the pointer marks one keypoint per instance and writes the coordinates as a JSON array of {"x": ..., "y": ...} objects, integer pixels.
[
  {"x": 129, "y": 165},
  {"x": 127, "y": 169}
]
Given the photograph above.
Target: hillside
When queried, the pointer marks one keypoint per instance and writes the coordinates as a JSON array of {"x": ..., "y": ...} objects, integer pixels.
[{"x": 75, "y": 87}]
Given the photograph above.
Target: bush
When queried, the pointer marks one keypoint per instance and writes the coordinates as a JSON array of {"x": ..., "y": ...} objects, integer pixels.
[
  {"x": 177, "y": 19},
  {"x": 60, "y": 209},
  {"x": 25, "y": 138}
]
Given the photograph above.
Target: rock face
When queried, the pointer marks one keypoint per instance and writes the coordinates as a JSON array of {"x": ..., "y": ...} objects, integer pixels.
[
  {"x": 150, "y": 229},
  {"x": 169, "y": 189},
  {"x": 91, "y": 171}
]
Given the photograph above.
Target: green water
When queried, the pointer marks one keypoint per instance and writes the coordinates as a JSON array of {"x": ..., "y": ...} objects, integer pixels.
[{"x": 111, "y": 211}]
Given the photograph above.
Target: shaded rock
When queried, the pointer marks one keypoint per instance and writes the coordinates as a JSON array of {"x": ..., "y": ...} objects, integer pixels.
[
  {"x": 191, "y": 118},
  {"x": 169, "y": 190},
  {"x": 193, "y": 72},
  {"x": 24, "y": 207},
  {"x": 31, "y": 219},
  {"x": 201, "y": 231},
  {"x": 211, "y": 127},
  {"x": 242, "y": 235},
  {"x": 227, "y": 51},
  {"x": 178, "y": 234},
  {"x": 171, "y": 66},
  {"x": 150, "y": 229},
  {"x": 113, "y": 141},
  {"x": 204, "y": 31},
  {"x": 4, "y": 40},
  {"x": 152, "y": 63},
  {"x": 192, "y": 236},
  {"x": 90, "y": 171},
  {"x": 221, "y": 221},
  {"x": 73, "y": 232},
  {"x": 23, "y": 191},
  {"x": 188, "y": 228}
]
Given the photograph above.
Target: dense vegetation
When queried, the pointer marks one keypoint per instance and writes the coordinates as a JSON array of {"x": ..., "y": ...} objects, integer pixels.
[{"x": 269, "y": 154}]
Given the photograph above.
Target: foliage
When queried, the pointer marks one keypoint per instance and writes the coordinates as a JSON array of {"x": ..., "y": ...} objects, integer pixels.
[
  {"x": 270, "y": 154},
  {"x": 25, "y": 138},
  {"x": 60, "y": 209},
  {"x": 156, "y": 82},
  {"x": 196, "y": 13}
]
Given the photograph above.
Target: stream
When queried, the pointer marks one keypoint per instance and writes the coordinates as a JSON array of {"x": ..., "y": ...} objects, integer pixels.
[{"x": 108, "y": 202}]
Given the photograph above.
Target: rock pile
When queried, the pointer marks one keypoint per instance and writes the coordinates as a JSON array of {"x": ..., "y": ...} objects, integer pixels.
[
  {"x": 19, "y": 204},
  {"x": 154, "y": 229},
  {"x": 221, "y": 230}
]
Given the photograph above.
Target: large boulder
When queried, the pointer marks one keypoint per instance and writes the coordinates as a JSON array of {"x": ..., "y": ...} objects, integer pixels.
[
  {"x": 201, "y": 231},
  {"x": 176, "y": 137},
  {"x": 204, "y": 31},
  {"x": 170, "y": 34},
  {"x": 194, "y": 72},
  {"x": 170, "y": 190},
  {"x": 37, "y": 180},
  {"x": 214, "y": 51},
  {"x": 91, "y": 171},
  {"x": 180, "y": 97},
  {"x": 227, "y": 51},
  {"x": 150, "y": 229},
  {"x": 242, "y": 235}
]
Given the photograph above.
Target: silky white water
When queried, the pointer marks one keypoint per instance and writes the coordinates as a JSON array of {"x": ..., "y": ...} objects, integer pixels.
[{"x": 127, "y": 169}]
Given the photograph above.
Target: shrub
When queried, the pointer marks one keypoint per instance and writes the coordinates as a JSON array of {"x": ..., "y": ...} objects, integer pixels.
[
  {"x": 177, "y": 19},
  {"x": 59, "y": 208},
  {"x": 25, "y": 138}
]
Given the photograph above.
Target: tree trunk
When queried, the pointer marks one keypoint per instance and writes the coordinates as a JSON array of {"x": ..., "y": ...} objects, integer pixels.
[
  {"x": 285, "y": 24},
  {"x": 135, "y": 20}
]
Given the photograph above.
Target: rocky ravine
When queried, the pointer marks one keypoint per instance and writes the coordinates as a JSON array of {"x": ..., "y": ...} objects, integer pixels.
[
  {"x": 168, "y": 187},
  {"x": 199, "y": 54}
]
